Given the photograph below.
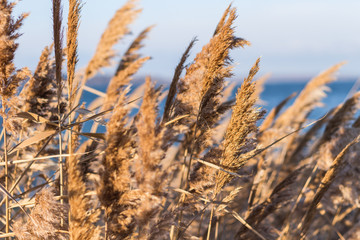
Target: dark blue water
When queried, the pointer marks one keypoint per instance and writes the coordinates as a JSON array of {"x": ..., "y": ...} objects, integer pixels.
[{"x": 274, "y": 93}]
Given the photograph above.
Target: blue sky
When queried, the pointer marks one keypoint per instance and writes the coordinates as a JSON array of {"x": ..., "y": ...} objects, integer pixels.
[{"x": 294, "y": 38}]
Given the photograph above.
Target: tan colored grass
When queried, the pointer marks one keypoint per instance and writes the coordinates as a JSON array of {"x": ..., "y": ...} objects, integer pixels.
[
  {"x": 10, "y": 79},
  {"x": 325, "y": 183},
  {"x": 199, "y": 91},
  {"x": 269, "y": 120},
  {"x": 80, "y": 225},
  {"x": 150, "y": 140},
  {"x": 149, "y": 174},
  {"x": 72, "y": 45},
  {"x": 292, "y": 118},
  {"x": 128, "y": 66},
  {"x": 309, "y": 98},
  {"x": 82, "y": 215},
  {"x": 169, "y": 105},
  {"x": 280, "y": 197},
  {"x": 117, "y": 28},
  {"x": 341, "y": 116},
  {"x": 203, "y": 170},
  {"x": 58, "y": 44},
  {"x": 121, "y": 80},
  {"x": 207, "y": 74},
  {"x": 46, "y": 215},
  {"x": 38, "y": 93},
  {"x": 242, "y": 124},
  {"x": 115, "y": 176}
]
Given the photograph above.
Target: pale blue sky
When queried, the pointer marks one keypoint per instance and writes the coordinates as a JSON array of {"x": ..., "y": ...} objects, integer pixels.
[{"x": 294, "y": 38}]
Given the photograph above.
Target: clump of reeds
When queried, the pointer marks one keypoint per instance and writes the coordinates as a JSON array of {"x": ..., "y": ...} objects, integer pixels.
[
  {"x": 206, "y": 168},
  {"x": 44, "y": 220}
]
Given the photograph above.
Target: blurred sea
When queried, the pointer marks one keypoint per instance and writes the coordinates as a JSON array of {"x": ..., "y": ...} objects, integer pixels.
[{"x": 273, "y": 94}]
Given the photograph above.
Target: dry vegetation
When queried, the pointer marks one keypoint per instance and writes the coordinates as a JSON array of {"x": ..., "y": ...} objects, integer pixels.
[{"x": 203, "y": 169}]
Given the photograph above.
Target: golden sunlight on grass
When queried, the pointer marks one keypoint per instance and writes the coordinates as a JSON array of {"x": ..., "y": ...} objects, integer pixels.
[{"x": 196, "y": 162}]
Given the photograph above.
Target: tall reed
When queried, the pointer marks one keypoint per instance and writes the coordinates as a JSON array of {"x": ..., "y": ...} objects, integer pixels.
[{"x": 198, "y": 165}]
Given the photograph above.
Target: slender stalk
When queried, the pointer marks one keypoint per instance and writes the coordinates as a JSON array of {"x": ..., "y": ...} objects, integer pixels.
[
  {"x": 7, "y": 212},
  {"x": 70, "y": 147},
  {"x": 57, "y": 31},
  {"x": 217, "y": 228},
  {"x": 191, "y": 150},
  {"x": 73, "y": 25},
  {"x": 210, "y": 222},
  {"x": 106, "y": 231},
  {"x": 61, "y": 171},
  {"x": 15, "y": 184},
  {"x": 200, "y": 223},
  {"x": 285, "y": 231},
  {"x": 191, "y": 147}
]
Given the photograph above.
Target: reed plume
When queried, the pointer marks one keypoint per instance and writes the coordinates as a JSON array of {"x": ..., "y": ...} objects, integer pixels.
[
  {"x": 71, "y": 46},
  {"x": 10, "y": 78},
  {"x": 309, "y": 98},
  {"x": 238, "y": 142},
  {"x": 147, "y": 168},
  {"x": 169, "y": 105},
  {"x": 207, "y": 74},
  {"x": 39, "y": 93},
  {"x": 197, "y": 165},
  {"x": 117, "y": 28},
  {"x": 131, "y": 54},
  {"x": 199, "y": 91},
  {"x": 115, "y": 175},
  {"x": 58, "y": 43},
  {"x": 46, "y": 217},
  {"x": 292, "y": 118},
  {"x": 82, "y": 218},
  {"x": 325, "y": 183},
  {"x": 341, "y": 117},
  {"x": 149, "y": 175},
  {"x": 279, "y": 198},
  {"x": 119, "y": 82}
]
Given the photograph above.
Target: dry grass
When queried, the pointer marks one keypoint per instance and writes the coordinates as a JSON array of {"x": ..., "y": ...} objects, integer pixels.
[{"x": 204, "y": 169}]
